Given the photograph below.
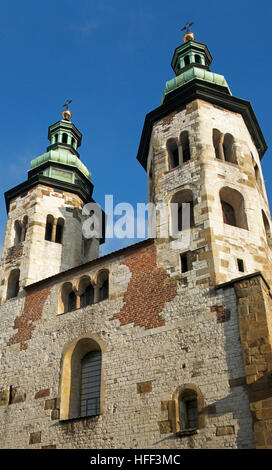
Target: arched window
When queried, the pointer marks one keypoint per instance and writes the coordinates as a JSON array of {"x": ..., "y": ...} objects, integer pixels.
[
  {"x": 49, "y": 228},
  {"x": 267, "y": 229},
  {"x": 187, "y": 60},
  {"x": 188, "y": 410},
  {"x": 86, "y": 292},
  {"x": 18, "y": 232},
  {"x": 233, "y": 208},
  {"x": 72, "y": 301},
  {"x": 73, "y": 142},
  {"x": 90, "y": 384},
  {"x": 64, "y": 138},
  {"x": 150, "y": 183},
  {"x": 81, "y": 390},
  {"x": 185, "y": 146},
  {"x": 224, "y": 146},
  {"x": 56, "y": 138},
  {"x": 173, "y": 153},
  {"x": 182, "y": 211},
  {"x": 13, "y": 284},
  {"x": 197, "y": 59},
  {"x": 103, "y": 285},
  {"x": 217, "y": 143},
  {"x": 228, "y": 214},
  {"x": 68, "y": 298},
  {"x": 59, "y": 230},
  {"x": 257, "y": 173},
  {"x": 229, "y": 149}
]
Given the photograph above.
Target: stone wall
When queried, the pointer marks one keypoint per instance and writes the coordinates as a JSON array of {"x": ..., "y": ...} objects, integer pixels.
[
  {"x": 36, "y": 257},
  {"x": 205, "y": 175},
  {"x": 190, "y": 335}
]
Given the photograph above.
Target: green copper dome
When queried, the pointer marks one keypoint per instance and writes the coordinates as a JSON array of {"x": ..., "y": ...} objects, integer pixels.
[
  {"x": 61, "y": 156},
  {"x": 191, "y": 74}
]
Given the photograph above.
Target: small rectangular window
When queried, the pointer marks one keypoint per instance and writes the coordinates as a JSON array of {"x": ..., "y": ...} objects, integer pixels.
[
  {"x": 241, "y": 267},
  {"x": 184, "y": 263}
]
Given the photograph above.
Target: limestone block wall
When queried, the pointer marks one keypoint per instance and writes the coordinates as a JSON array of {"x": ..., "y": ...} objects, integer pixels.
[
  {"x": 36, "y": 257},
  {"x": 157, "y": 333}
]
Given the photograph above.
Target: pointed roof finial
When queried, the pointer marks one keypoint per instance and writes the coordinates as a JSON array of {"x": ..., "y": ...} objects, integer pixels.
[
  {"x": 66, "y": 113},
  {"x": 188, "y": 36}
]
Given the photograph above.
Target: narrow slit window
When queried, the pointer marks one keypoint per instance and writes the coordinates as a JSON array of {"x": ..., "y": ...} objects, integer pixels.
[
  {"x": 87, "y": 298},
  {"x": 241, "y": 266},
  {"x": 13, "y": 284},
  {"x": 197, "y": 59},
  {"x": 184, "y": 141},
  {"x": 184, "y": 263},
  {"x": 49, "y": 228},
  {"x": 173, "y": 153},
  {"x": 188, "y": 410}
]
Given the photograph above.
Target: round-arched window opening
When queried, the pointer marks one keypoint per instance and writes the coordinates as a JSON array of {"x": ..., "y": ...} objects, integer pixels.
[
  {"x": 197, "y": 59},
  {"x": 187, "y": 60}
]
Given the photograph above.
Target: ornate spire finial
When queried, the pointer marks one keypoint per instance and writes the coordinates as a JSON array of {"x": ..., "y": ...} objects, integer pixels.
[
  {"x": 188, "y": 36},
  {"x": 66, "y": 113}
]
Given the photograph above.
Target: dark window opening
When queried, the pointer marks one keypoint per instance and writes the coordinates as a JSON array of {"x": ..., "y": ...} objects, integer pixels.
[
  {"x": 90, "y": 384},
  {"x": 192, "y": 414},
  {"x": 71, "y": 301},
  {"x": 184, "y": 140},
  {"x": 186, "y": 60},
  {"x": 241, "y": 267},
  {"x": 181, "y": 215},
  {"x": 59, "y": 230},
  {"x": 64, "y": 138},
  {"x": 58, "y": 234},
  {"x": 197, "y": 59},
  {"x": 48, "y": 231},
  {"x": 228, "y": 148},
  {"x": 233, "y": 208},
  {"x": 267, "y": 229},
  {"x": 18, "y": 232},
  {"x": 24, "y": 228},
  {"x": 228, "y": 214},
  {"x": 87, "y": 298},
  {"x": 13, "y": 284},
  {"x": 175, "y": 158},
  {"x": 184, "y": 263},
  {"x": 104, "y": 290},
  {"x": 173, "y": 153},
  {"x": 188, "y": 410}
]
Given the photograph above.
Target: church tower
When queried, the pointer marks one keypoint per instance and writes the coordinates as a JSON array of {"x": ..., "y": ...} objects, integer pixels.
[
  {"x": 202, "y": 150},
  {"x": 44, "y": 227}
]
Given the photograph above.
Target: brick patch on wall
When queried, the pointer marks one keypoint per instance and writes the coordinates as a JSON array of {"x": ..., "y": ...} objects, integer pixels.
[
  {"x": 24, "y": 323},
  {"x": 222, "y": 314},
  {"x": 148, "y": 291}
]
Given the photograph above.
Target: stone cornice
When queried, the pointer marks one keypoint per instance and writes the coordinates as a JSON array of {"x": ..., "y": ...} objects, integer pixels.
[{"x": 212, "y": 93}]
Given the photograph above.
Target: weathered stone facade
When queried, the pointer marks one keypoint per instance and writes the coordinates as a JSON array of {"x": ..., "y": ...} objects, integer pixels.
[
  {"x": 143, "y": 364},
  {"x": 185, "y": 318}
]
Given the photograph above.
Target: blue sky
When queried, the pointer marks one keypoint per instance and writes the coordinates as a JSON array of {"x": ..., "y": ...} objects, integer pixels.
[{"x": 112, "y": 58}]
